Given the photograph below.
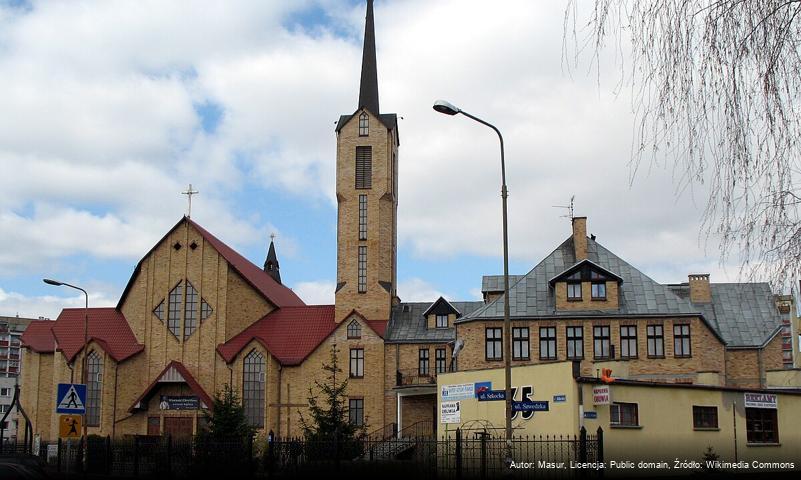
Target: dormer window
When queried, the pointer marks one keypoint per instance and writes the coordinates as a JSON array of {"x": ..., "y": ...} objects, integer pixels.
[
  {"x": 442, "y": 321},
  {"x": 364, "y": 125},
  {"x": 599, "y": 290},
  {"x": 574, "y": 291},
  {"x": 354, "y": 329}
]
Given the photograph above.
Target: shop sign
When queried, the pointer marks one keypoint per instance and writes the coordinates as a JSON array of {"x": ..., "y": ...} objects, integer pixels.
[
  {"x": 601, "y": 395},
  {"x": 450, "y": 412},
  {"x": 460, "y": 391},
  {"x": 760, "y": 400}
]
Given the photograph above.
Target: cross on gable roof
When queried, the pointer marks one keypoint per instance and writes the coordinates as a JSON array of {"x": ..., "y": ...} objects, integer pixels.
[{"x": 174, "y": 372}]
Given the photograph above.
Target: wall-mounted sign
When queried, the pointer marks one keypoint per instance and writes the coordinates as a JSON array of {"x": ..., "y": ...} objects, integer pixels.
[
  {"x": 601, "y": 395},
  {"x": 559, "y": 398},
  {"x": 491, "y": 395},
  {"x": 450, "y": 412},
  {"x": 530, "y": 406},
  {"x": 590, "y": 414},
  {"x": 760, "y": 400},
  {"x": 183, "y": 402},
  {"x": 460, "y": 391},
  {"x": 482, "y": 387}
]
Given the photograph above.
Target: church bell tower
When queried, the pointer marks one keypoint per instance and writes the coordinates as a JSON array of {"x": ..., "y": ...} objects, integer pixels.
[{"x": 367, "y": 198}]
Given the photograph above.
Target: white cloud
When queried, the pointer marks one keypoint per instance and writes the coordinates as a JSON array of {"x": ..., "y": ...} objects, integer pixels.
[
  {"x": 319, "y": 292},
  {"x": 419, "y": 290},
  {"x": 47, "y": 306}
]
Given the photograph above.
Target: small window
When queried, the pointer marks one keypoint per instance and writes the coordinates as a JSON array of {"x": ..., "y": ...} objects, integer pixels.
[
  {"x": 575, "y": 343},
  {"x": 159, "y": 311},
  {"x": 442, "y": 321},
  {"x": 362, "y": 217},
  {"x": 548, "y": 343},
  {"x": 422, "y": 366},
  {"x": 656, "y": 341},
  {"x": 362, "y": 269},
  {"x": 364, "y": 167},
  {"x": 574, "y": 291},
  {"x": 599, "y": 291},
  {"x": 761, "y": 425},
  {"x": 705, "y": 417},
  {"x": 442, "y": 360},
  {"x": 493, "y": 343},
  {"x": 364, "y": 125},
  {"x": 624, "y": 414},
  {"x": 205, "y": 310},
  {"x": 356, "y": 362},
  {"x": 5, "y": 392},
  {"x": 356, "y": 411},
  {"x": 681, "y": 341},
  {"x": 520, "y": 343},
  {"x": 354, "y": 329},
  {"x": 596, "y": 276},
  {"x": 628, "y": 341},
  {"x": 601, "y": 341}
]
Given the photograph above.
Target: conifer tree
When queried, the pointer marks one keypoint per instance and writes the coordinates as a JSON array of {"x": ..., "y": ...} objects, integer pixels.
[{"x": 227, "y": 417}]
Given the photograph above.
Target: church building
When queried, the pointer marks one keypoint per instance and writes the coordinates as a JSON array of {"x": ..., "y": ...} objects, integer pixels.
[{"x": 196, "y": 316}]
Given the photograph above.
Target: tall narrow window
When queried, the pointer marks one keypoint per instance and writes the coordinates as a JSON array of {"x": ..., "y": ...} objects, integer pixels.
[
  {"x": 253, "y": 389},
  {"x": 422, "y": 366},
  {"x": 362, "y": 269},
  {"x": 548, "y": 343},
  {"x": 601, "y": 341},
  {"x": 575, "y": 343},
  {"x": 190, "y": 311},
  {"x": 493, "y": 344},
  {"x": 362, "y": 217},
  {"x": 364, "y": 167},
  {"x": 441, "y": 359},
  {"x": 94, "y": 388},
  {"x": 521, "y": 345},
  {"x": 356, "y": 362},
  {"x": 628, "y": 341},
  {"x": 681, "y": 340},
  {"x": 364, "y": 125},
  {"x": 356, "y": 411},
  {"x": 174, "y": 314},
  {"x": 656, "y": 340}
]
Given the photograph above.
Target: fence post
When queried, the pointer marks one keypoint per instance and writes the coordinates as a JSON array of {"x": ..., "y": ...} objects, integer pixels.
[
  {"x": 58, "y": 455},
  {"x": 483, "y": 436},
  {"x": 600, "y": 440},
  {"x": 458, "y": 453},
  {"x": 79, "y": 459},
  {"x": 583, "y": 444},
  {"x": 270, "y": 452},
  {"x": 136, "y": 455}
]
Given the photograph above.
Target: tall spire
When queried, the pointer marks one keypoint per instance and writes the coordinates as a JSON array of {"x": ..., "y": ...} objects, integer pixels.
[
  {"x": 368, "y": 89},
  {"x": 271, "y": 263}
]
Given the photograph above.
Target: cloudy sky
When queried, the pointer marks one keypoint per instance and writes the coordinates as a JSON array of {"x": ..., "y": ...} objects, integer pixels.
[{"x": 108, "y": 109}]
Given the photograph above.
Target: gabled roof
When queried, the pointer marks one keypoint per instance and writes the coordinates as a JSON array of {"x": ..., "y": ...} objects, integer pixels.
[
  {"x": 442, "y": 307},
  {"x": 107, "y": 327},
  {"x": 174, "y": 372},
  {"x": 745, "y": 314},
  {"x": 274, "y": 292},
  {"x": 388, "y": 120},
  {"x": 377, "y": 326},
  {"x": 407, "y": 323},
  {"x": 290, "y": 334},
  {"x": 592, "y": 265},
  {"x": 38, "y": 336}
]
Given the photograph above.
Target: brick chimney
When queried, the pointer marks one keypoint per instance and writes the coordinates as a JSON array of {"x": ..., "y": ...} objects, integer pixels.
[
  {"x": 580, "y": 238},
  {"x": 700, "y": 292}
]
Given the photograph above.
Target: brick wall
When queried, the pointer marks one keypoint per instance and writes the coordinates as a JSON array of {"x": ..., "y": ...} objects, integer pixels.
[{"x": 587, "y": 302}]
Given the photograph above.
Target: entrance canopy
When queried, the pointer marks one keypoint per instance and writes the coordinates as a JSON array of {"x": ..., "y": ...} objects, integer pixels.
[{"x": 173, "y": 373}]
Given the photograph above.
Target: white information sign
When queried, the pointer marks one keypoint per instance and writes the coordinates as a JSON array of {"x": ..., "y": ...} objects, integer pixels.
[
  {"x": 460, "y": 391},
  {"x": 601, "y": 395},
  {"x": 760, "y": 400},
  {"x": 450, "y": 412}
]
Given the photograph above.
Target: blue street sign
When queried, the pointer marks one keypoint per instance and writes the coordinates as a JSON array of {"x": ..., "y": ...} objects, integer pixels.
[
  {"x": 491, "y": 395},
  {"x": 590, "y": 414},
  {"x": 559, "y": 398},
  {"x": 530, "y": 406},
  {"x": 71, "y": 398}
]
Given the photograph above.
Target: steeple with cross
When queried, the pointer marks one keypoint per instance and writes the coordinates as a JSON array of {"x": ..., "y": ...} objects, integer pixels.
[{"x": 271, "y": 263}]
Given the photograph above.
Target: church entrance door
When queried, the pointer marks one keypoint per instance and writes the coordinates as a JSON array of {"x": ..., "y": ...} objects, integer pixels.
[
  {"x": 153, "y": 425},
  {"x": 178, "y": 427}
]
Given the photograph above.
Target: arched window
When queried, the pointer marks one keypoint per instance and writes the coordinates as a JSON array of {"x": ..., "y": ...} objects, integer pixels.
[
  {"x": 364, "y": 125},
  {"x": 94, "y": 388},
  {"x": 354, "y": 330},
  {"x": 253, "y": 389}
]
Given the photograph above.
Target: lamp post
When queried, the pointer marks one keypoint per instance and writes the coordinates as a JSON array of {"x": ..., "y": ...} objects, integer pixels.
[
  {"x": 442, "y": 106},
  {"x": 84, "y": 374}
]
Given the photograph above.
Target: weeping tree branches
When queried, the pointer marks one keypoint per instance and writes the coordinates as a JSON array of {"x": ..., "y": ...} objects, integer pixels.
[{"x": 716, "y": 93}]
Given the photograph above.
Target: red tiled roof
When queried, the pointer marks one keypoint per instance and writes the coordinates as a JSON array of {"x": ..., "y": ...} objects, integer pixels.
[
  {"x": 378, "y": 326},
  {"x": 278, "y": 294},
  {"x": 38, "y": 336},
  {"x": 188, "y": 378},
  {"x": 290, "y": 334},
  {"x": 107, "y": 327}
]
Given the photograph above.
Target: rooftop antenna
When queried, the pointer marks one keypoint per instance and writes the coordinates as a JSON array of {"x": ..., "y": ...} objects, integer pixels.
[{"x": 569, "y": 208}]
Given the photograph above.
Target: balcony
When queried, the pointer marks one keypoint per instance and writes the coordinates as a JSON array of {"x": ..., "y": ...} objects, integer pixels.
[{"x": 412, "y": 377}]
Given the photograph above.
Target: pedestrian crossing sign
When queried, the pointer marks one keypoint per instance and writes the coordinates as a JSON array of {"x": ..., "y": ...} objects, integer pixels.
[{"x": 71, "y": 398}]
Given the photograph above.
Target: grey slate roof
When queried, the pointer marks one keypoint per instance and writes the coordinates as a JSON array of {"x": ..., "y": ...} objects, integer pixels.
[
  {"x": 407, "y": 323},
  {"x": 744, "y": 314},
  {"x": 494, "y": 283}
]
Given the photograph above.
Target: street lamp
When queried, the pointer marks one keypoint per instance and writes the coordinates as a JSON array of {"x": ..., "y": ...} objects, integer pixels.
[
  {"x": 447, "y": 108},
  {"x": 84, "y": 374}
]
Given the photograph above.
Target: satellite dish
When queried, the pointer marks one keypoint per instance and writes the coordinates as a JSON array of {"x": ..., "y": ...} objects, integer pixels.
[{"x": 458, "y": 346}]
